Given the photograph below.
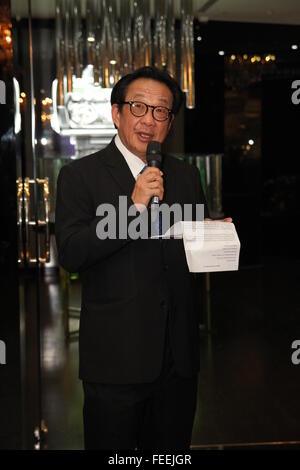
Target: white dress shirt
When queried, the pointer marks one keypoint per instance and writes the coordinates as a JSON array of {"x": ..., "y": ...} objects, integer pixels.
[{"x": 135, "y": 163}]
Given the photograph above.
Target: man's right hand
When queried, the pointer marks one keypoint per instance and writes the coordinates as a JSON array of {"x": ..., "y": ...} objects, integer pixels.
[{"x": 148, "y": 184}]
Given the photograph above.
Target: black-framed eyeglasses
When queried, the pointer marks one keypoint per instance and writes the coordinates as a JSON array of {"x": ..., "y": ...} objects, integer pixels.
[{"x": 139, "y": 109}]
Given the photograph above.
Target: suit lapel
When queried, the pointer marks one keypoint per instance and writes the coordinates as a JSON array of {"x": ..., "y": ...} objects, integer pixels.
[{"x": 119, "y": 170}]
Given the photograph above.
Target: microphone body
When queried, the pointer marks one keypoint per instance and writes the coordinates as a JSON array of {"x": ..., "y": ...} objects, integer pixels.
[{"x": 154, "y": 159}]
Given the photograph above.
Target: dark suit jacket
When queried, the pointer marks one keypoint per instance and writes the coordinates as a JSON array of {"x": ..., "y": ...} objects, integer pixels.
[{"x": 128, "y": 286}]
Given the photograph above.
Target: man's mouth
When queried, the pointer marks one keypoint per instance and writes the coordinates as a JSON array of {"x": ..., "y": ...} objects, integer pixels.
[{"x": 145, "y": 137}]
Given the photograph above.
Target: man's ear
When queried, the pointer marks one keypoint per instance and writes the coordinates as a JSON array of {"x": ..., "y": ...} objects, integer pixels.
[{"x": 115, "y": 113}]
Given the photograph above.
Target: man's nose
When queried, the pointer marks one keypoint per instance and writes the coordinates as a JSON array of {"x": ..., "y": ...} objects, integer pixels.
[{"x": 148, "y": 117}]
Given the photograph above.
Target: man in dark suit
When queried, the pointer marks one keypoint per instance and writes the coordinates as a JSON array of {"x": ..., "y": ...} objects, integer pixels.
[{"x": 139, "y": 328}]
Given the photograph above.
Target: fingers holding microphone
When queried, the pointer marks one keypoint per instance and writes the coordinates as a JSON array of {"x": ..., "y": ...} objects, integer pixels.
[
  {"x": 149, "y": 186},
  {"x": 149, "y": 183}
]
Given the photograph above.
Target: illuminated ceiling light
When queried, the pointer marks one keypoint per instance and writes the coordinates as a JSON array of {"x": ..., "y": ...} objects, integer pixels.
[
  {"x": 294, "y": 47},
  {"x": 23, "y": 94},
  {"x": 113, "y": 62},
  {"x": 21, "y": 100},
  {"x": 221, "y": 53},
  {"x": 44, "y": 141},
  {"x": 91, "y": 39},
  {"x": 8, "y": 39},
  {"x": 233, "y": 57},
  {"x": 251, "y": 142},
  {"x": 268, "y": 58},
  {"x": 245, "y": 56},
  {"x": 199, "y": 38}
]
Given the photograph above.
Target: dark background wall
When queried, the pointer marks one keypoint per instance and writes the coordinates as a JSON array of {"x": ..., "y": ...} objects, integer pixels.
[
  {"x": 10, "y": 386},
  {"x": 260, "y": 186}
]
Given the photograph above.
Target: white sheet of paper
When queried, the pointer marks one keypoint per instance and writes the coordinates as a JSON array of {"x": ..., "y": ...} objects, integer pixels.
[{"x": 209, "y": 246}]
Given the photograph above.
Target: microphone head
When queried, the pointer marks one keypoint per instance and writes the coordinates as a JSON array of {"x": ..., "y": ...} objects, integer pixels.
[{"x": 153, "y": 154}]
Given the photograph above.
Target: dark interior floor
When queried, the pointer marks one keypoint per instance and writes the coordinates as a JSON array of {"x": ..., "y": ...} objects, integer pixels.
[{"x": 248, "y": 387}]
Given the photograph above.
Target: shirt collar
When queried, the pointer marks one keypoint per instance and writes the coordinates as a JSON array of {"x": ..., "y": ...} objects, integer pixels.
[{"x": 135, "y": 163}]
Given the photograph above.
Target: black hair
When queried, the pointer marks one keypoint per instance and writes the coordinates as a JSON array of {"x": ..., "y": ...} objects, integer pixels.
[{"x": 119, "y": 90}]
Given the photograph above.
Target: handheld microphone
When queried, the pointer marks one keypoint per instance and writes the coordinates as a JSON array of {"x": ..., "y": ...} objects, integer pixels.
[{"x": 154, "y": 159}]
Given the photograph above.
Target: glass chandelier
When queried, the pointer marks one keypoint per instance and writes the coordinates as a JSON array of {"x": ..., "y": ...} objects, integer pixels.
[{"x": 106, "y": 39}]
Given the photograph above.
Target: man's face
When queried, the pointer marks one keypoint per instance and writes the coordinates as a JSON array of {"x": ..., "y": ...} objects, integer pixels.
[{"x": 137, "y": 132}]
